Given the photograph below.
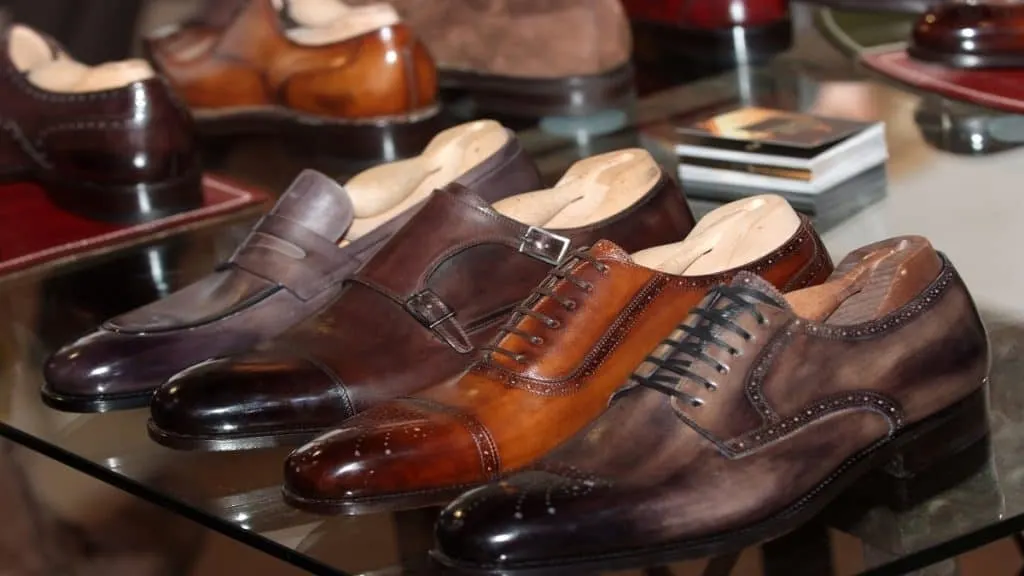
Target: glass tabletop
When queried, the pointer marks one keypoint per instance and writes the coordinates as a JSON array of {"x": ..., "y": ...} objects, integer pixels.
[{"x": 952, "y": 177}]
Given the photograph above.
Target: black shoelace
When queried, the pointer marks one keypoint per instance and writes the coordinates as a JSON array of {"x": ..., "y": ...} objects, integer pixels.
[
  {"x": 693, "y": 347},
  {"x": 526, "y": 308}
]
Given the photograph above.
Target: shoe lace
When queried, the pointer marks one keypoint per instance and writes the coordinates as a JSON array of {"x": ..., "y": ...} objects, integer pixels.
[
  {"x": 526, "y": 308},
  {"x": 693, "y": 348}
]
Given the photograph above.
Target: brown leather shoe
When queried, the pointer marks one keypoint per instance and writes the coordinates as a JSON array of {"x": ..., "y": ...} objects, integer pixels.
[
  {"x": 362, "y": 88},
  {"x": 558, "y": 57},
  {"x": 107, "y": 142},
  {"x": 976, "y": 35},
  {"x": 572, "y": 344},
  {"x": 749, "y": 418},
  {"x": 291, "y": 265},
  {"x": 417, "y": 312}
]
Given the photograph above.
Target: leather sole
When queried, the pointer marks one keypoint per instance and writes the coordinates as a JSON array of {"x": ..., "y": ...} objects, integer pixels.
[
  {"x": 370, "y": 140},
  {"x": 93, "y": 404},
  {"x": 122, "y": 203},
  {"x": 917, "y": 450},
  {"x": 966, "y": 61},
  {"x": 535, "y": 97},
  {"x": 228, "y": 443},
  {"x": 392, "y": 503}
]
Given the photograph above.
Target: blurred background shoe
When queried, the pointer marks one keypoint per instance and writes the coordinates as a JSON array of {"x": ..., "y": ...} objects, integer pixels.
[
  {"x": 108, "y": 142},
  {"x": 357, "y": 82}
]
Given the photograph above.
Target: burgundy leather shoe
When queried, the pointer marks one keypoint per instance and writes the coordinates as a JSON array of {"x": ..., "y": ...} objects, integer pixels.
[
  {"x": 986, "y": 34},
  {"x": 418, "y": 311},
  {"x": 290, "y": 266},
  {"x": 708, "y": 29},
  {"x": 107, "y": 142}
]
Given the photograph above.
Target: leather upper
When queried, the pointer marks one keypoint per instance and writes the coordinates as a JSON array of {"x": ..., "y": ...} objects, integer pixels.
[
  {"x": 709, "y": 14},
  {"x": 134, "y": 134},
  {"x": 509, "y": 410},
  {"x": 794, "y": 404},
  {"x": 413, "y": 316},
  {"x": 289, "y": 266},
  {"x": 248, "y": 62}
]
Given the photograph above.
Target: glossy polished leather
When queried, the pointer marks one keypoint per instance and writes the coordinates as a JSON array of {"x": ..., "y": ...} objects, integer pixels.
[
  {"x": 780, "y": 414},
  {"x": 249, "y": 63},
  {"x": 986, "y": 34},
  {"x": 708, "y": 14},
  {"x": 98, "y": 153},
  {"x": 505, "y": 413},
  {"x": 412, "y": 317},
  {"x": 289, "y": 267}
]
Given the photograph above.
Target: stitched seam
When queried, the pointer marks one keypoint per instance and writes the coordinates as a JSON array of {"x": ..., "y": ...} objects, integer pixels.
[{"x": 486, "y": 447}]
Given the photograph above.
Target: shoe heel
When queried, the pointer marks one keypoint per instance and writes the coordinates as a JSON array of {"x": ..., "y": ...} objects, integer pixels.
[
  {"x": 127, "y": 204},
  {"x": 948, "y": 452},
  {"x": 954, "y": 431}
]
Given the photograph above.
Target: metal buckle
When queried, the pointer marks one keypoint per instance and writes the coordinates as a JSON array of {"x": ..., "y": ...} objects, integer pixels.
[
  {"x": 429, "y": 309},
  {"x": 543, "y": 245}
]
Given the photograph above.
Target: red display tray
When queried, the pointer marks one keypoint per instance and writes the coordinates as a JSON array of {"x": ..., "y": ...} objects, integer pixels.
[
  {"x": 1001, "y": 89},
  {"x": 34, "y": 233}
]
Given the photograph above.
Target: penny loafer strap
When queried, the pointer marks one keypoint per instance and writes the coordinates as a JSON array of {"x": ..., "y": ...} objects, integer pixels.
[{"x": 287, "y": 253}]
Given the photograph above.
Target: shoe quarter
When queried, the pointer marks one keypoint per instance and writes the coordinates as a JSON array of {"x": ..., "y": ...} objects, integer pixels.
[{"x": 902, "y": 367}]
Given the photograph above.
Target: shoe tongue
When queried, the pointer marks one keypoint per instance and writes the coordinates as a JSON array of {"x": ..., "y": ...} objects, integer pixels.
[
  {"x": 750, "y": 280},
  {"x": 319, "y": 204}
]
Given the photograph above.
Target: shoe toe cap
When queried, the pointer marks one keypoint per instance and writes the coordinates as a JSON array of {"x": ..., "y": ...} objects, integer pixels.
[{"x": 389, "y": 451}]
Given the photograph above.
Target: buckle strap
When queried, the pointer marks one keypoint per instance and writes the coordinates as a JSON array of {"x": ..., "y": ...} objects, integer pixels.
[
  {"x": 428, "y": 308},
  {"x": 544, "y": 245},
  {"x": 287, "y": 253}
]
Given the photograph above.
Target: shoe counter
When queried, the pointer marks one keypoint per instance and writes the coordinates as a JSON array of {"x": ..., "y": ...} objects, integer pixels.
[{"x": 355, "y": 384}]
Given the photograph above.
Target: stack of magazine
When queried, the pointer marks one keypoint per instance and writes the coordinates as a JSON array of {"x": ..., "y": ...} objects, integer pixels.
[{"x": 825, "y": 167}]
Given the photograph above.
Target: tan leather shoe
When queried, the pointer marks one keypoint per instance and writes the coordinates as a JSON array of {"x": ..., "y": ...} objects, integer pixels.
[
  {"x": 363, "y": 86},
  {"x": 553, "y": 368},
  {"x": 557, "y": 57}
]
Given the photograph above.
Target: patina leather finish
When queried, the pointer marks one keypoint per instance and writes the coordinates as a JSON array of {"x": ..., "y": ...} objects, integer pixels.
[
  {"x": 248, "y": 65},
  {"x": 749, "y": 418},
  {"x": 511, "y": 409},
  {"x": 986, "y": 34},
  {"x": 122, "y": 154},
  {"x": 414, "y": 316},
  {"x": 289, "y": 267}
]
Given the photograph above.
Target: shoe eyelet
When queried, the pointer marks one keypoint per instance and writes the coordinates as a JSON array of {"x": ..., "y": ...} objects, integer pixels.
[
  {"x": 521, "y": 358},
  {"x": 571, "y": 305},
  {"x": 722, "y": 369},
  {"x": 536, "y": 340},
  {"x": 696, "y": 402},
  {"x": 553, "y": 324},
  {"x": 602, "y": 268}
]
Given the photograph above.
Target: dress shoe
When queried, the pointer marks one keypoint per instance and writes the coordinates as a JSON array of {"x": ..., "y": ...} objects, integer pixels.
[
  {"x": 292, "y": 264},
  {"x": 987, "y": 34},
  {"x": 418, "y": 311},
  {"x": 522, "y": 57},
  {"x": 108, "y": 142},
  {"x": 364, "y": 87},
  {"x": 708, "y": 31},
  {"x": 746, "y": 421},
  {"x": 554, "y": 367}
]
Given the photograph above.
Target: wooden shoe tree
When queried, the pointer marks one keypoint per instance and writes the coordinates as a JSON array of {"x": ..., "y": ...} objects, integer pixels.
[
  {"x": 728, "y": 237},
  {"x": 382, "y": 192},
  {"x": 870, "y": 282},
  {"x": 323, "y": 22},
  {"x": 590, "y": 191},
  {"x": 58, "y": 72}
]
